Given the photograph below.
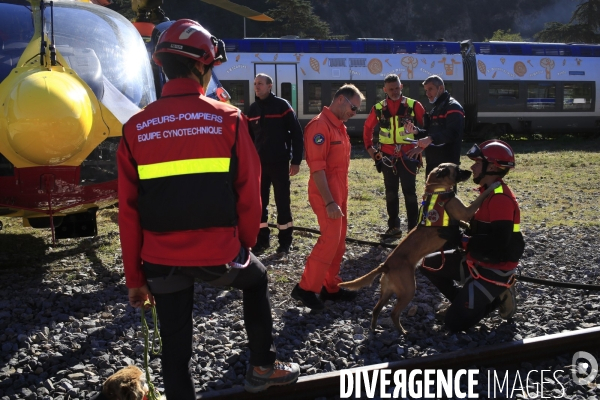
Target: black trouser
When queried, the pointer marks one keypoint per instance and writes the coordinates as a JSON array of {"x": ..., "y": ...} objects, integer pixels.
[
  {"x": 173, "y": 290},
  {"x": 277, "y": 174},
  {"x": 475, "y": 299},
  {"x": 402, "y": 173}
]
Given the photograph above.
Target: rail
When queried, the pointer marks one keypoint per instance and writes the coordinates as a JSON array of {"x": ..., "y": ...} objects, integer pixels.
[{"x": 328, "y": 384}]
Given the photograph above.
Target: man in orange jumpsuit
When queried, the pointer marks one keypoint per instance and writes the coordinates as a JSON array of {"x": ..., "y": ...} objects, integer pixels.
[{"x": 327, "y": 148}]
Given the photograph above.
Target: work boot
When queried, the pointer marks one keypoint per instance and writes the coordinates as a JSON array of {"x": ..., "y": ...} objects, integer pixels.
[
  {"x": 283, "y": 250},
  {"x": 508, "y": 303},
  {"x": 392, "y": 232},
  {"x": 260, "y": 247},
  {"x": 276, "y": 374},
  {"x": 340, "y": 295},
  {"x": 309, "y": 299}
]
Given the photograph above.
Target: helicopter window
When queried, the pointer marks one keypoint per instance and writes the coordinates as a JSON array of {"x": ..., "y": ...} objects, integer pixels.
[
  {"x": 86, "y": 64},
  {"x": 16, "y": 29},
  {"x": 15, "y": 23},
  {"x": 112, "y": 52}
]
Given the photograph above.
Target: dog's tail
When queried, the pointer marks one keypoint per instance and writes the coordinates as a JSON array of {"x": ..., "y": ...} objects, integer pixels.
[{"x": 364, "y": 280}]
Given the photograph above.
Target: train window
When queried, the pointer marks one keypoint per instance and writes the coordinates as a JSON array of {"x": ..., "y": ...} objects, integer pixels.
[
  {"x": 501, "y": 49},
  {"x": 345, "y": 48},
  {"x": 272, "y": 47},
  {"x": 256, "y": 46},
  {"x": 370, "y": 48},
  {"x": 578, "y": 96},
  {"x": 315, "y": 104},
  {"x": 237, "y": 91},
  {"x": 541, "y": 96},
  {"x": 537, "y": 51},
  {"x": 400, "y": 49},
  {"x": 504, "y": 90},
  {"x": 362, "y": 86},
  {"x": 380, "y": 94},
  {"x": 516, "y": 49},
  {"x": 423, "y": 49},
  {"x": 564, "y": 52},
  {"x": 288, "y": 47},
  {"x": 286, "y": 91},
  {"x": 314, "y": 47}
]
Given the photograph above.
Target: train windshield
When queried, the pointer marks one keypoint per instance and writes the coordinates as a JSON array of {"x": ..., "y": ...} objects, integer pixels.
[{"x": 104, "y": 49}]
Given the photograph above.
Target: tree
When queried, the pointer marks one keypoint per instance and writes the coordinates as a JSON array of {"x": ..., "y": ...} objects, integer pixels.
[
  {"x": 588, "y": 14},
  {"x": 505, "y": 36},
  {"x": 555, "y": 32},
  {"x": 583, "y": 26},
  {"x": 295, "y": 17}
]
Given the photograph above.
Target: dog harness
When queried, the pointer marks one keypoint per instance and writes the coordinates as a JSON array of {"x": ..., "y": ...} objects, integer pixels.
[{"x": 433, "y": 209}]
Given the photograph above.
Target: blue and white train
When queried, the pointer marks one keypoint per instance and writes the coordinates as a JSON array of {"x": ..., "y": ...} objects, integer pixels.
[{"x": 505, "y": 87}]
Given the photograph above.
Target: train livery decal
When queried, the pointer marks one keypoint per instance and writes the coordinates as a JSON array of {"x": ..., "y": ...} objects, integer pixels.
[
  {"x": 504, "y": 87},
  {"x": 526, "y": 69},
  {"x": 356, "y": 66}
]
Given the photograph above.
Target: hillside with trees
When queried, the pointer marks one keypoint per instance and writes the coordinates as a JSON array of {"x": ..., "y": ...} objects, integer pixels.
[{"x": 453, "y": 20}]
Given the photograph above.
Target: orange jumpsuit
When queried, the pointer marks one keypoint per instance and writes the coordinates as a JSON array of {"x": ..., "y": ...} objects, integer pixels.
[{"x": 327, "y": 147}]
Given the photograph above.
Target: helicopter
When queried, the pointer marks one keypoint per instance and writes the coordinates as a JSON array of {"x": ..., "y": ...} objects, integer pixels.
[{"x": 71, "y": 74}]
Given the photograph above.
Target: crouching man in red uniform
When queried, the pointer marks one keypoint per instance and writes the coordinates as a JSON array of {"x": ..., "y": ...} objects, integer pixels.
[
  {"x": 189, "y": 208},
  {"x": 494, "y": 246},
  {"x": 327, "y": 148}
]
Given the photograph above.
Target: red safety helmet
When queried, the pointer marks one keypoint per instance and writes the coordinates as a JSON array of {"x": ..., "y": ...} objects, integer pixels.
[
  {"x": 493, "y": 151},
  {"x": 189, "y": 39}
]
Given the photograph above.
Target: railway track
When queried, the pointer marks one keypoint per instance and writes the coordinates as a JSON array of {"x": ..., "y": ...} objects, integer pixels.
[{"x": 327, "y": 385}]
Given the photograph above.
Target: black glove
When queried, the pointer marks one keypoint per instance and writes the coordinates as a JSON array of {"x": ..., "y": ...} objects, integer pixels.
[{"x": 452, "y": 234}]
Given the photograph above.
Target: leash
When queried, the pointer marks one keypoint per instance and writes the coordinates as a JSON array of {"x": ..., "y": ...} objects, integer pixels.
[
  {"x": 518, "y": 276},
  {"x": 441, "y": 266},
  {"x": 152, "y": 392}
]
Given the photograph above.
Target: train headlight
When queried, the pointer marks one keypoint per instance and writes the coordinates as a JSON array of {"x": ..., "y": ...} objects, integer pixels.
[{"x": 49, "y": 116}]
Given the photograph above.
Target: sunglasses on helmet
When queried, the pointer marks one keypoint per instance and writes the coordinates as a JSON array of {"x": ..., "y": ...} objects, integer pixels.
[
  {"x": 474, "y": 152},
  {"x": 352, "y": 106}
]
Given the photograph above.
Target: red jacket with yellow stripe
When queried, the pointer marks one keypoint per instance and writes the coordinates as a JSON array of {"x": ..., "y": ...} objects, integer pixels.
[
  {"x": 189, "y": 183},
  {"x": 496, "y": 239}
]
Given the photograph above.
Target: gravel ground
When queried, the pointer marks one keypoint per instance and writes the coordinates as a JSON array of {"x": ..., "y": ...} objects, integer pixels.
[{"x": 66, "y": 327}]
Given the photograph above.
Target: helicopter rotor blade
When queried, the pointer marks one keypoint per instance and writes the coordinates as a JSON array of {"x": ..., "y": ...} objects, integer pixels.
[{"x": 240, "y": 10}]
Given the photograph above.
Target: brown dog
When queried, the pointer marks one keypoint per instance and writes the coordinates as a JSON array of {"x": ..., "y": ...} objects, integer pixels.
[
  {"x": 398, "y": 270},
  {"x": 128, "y": 383}
]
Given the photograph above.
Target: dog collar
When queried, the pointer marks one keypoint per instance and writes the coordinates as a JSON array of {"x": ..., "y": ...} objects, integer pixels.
[{"x": 439, "y": 193}]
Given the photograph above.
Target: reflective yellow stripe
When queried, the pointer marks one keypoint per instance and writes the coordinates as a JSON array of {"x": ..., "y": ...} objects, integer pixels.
[
  {"x": 516, "y": 227},
  {"x": 431, "y": 207},
  {"x": 183, "y": 167}
]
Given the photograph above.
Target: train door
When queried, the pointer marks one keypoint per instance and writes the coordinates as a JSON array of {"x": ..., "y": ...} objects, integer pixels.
[{"x": 285, "y": 82}]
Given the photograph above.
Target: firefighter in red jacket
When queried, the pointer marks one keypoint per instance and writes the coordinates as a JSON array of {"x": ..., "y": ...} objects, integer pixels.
[
  {"x": 391, "y": 154},
  {"x": 494, "y": 244},
  {"x": 189, "y": 208}
]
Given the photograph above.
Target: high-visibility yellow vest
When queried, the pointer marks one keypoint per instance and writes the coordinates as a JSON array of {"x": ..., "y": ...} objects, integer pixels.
[{"x": 391, "y": 128}]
